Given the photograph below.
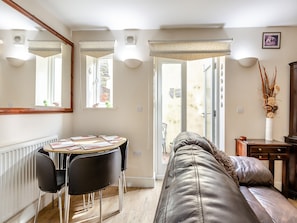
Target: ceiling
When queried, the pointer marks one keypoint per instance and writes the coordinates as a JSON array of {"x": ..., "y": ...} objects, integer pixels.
[{"x": 156, "y": 14}]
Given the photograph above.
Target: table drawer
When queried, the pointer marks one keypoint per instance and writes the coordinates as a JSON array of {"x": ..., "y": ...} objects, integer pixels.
[
  {"x": 278, "y": 156},
  {"x": 260, "y": 156},
  {"x": 259, "y": 149}
]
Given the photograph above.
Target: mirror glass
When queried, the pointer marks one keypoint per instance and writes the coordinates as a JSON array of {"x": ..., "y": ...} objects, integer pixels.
[{"x": 35, "y": 64}]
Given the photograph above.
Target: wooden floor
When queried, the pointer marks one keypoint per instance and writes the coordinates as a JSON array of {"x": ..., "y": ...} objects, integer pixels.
[
  {"x": 294, "y": 202},
  {"x": 139, "y": 206}
]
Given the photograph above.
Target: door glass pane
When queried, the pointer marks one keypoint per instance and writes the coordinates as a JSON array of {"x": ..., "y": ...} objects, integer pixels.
[
  {"x": 195, "y": 97},
  {"x": 171, "y": 105},
  {"x": 199, "y": 97}
]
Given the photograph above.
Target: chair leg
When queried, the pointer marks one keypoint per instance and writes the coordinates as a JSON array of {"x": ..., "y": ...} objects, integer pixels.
[
  {"x": 38, "y": 206},
  {"x": 92, "y": 198},
  {"x": 53, "y": 200},
  {"x": 67, "y": 208},
  {"x": 100, "y": 204},
  {"x": 84, "y": 201},
  {"x": 90, "y": 201},
  {"x": 124, "y": 181},
  {"x": 60, "y": 206},
  {"x": 120, "y": 193}
]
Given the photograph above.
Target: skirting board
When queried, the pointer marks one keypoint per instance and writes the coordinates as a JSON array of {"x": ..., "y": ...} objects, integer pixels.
[{"x": 143, "y": 182}]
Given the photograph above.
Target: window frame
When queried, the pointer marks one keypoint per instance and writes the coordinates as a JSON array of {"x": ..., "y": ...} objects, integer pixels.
[
  {"x": 50, "y": 83},
  {"x": 95, "y": 95}
]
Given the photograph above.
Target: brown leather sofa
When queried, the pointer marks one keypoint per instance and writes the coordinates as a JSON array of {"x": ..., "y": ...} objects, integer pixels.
[{"x": 203, "y": 184}]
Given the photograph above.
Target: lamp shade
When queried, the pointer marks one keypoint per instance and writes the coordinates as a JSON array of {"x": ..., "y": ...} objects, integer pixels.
[
  {"x": 248, "y": 61},
  {"x": 132, "y": 63},
  {"x": 15, "y": 61}
]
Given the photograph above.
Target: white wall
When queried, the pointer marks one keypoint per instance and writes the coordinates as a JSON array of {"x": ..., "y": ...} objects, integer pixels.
[
  {"x": 134, "y": 88},
  {"x": 243, "y": 85}
]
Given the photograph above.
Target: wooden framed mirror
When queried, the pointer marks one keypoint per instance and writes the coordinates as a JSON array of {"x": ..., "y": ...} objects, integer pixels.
[{"x": 41, "y": 81}]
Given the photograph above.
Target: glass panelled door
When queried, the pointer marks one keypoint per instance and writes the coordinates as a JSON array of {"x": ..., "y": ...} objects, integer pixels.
[{"x": 185, "y": 92}]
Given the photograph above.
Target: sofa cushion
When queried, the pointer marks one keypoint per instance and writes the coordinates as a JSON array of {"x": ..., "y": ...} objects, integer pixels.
[
  {"x": 269, "y": 204},
  {"x": 251, "y": 171}
]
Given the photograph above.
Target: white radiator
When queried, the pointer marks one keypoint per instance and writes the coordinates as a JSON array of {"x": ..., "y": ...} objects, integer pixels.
[{"x": 18, "y": 185}]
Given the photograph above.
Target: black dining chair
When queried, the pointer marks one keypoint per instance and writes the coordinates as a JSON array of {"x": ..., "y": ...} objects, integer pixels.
[
  {"x": 49, "y": 179},
  {"x": 124, "y": 153},
  {"x": 90, "y": 173}
]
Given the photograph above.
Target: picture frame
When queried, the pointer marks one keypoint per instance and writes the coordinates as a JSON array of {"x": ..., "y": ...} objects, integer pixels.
[{"x": 271, "y": 40}]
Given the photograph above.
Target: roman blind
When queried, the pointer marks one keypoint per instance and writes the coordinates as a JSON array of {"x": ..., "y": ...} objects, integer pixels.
[
  {"x": 190, "y": 49},
  {"x": 97, "y": 48},
  {"x": 44, "y": 48}
]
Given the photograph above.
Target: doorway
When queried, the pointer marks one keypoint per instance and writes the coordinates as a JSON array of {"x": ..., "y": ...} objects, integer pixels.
[{"x": 188, "y": 99}]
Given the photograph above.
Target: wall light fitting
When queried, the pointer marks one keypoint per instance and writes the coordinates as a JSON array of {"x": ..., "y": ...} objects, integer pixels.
[
  {"x": 132, "y": 63},
  {"x": 248, "y": 61},
  {"x": 15, "y": 62}
]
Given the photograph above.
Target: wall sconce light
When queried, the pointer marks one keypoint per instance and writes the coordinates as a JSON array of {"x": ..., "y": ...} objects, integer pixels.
[
  {"x": 248, "y": 61},
  {"x": 15, "y": 62},
  {"x": 132, "y": 63}
]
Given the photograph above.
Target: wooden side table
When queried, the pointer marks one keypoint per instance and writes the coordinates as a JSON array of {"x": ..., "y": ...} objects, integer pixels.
[{"x": 267, "y": 150}]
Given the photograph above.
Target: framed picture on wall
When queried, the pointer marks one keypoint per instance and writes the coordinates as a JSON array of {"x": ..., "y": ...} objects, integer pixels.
[{"x": 271, "y": 40}]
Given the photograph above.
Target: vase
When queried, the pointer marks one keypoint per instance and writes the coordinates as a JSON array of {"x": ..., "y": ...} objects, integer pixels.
[{"x": 269, "y": 129}]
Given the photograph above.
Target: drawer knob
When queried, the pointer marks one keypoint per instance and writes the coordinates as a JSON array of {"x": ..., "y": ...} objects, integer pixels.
[
  {"x": 260, "y": 157},
  {"x": 278, "y": 156},
  {"x": 260, "y": 149},
  {"x": 279, "y": 150}
]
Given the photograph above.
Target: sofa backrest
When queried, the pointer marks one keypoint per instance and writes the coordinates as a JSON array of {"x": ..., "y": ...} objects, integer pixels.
[{"x": 197, "y": 188}]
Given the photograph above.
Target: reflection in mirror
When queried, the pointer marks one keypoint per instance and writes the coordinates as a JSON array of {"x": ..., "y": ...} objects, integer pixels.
[{"x": 35, "y": 64}]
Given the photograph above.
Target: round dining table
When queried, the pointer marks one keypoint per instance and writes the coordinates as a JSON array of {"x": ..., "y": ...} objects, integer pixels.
[{"x": 83, "y": 145}]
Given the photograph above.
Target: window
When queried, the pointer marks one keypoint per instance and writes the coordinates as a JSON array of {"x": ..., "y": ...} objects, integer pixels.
[
  {"x": 98, "y": 70},
  {"x": 48, "y": 80},
  {"x": 99, "y": 82}
]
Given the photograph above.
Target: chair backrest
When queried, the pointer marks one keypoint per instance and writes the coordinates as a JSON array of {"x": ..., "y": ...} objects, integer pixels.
[
  {"x": 91, "y": 172},
  {"x": 45, "y": 172},
  {"x": 124, "y": 152}
]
